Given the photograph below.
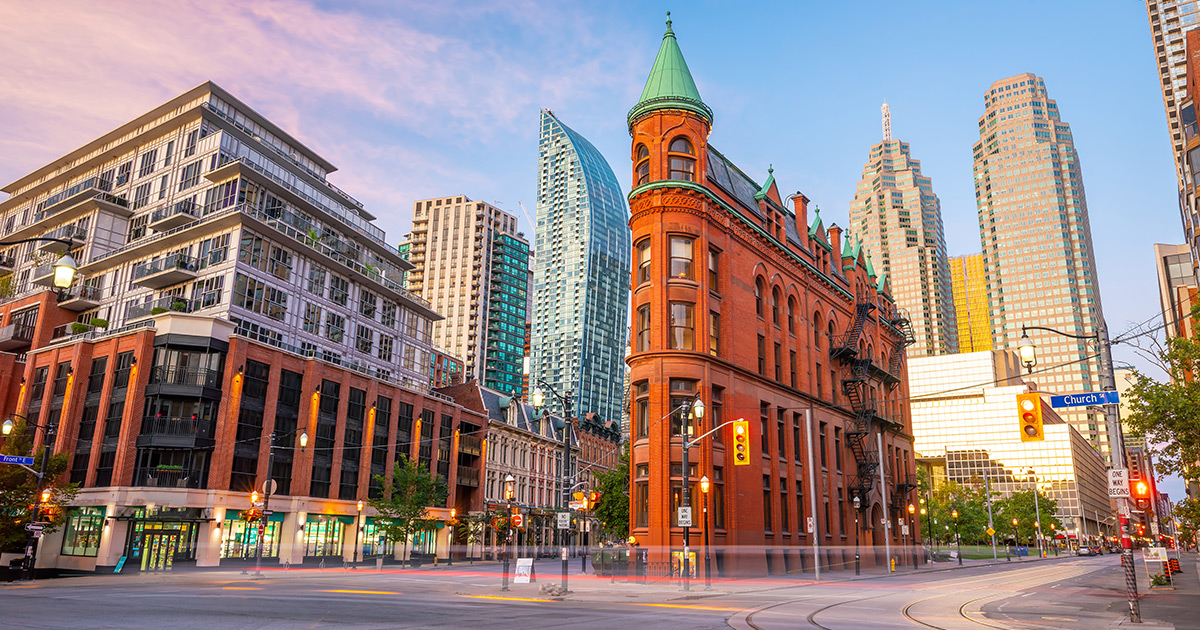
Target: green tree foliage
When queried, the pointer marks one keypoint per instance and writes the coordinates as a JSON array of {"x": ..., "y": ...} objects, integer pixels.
[
  {"x": 613, "y": 507},
  {"x": 1187, "y": 513},
  {"x": 18, "y": 491},
  {"x": 1020, "y": 505},
  {"x": 968, "y": 500},
  {"x": 1168, "y": 414},
  {"x": 406, "y": 495}
]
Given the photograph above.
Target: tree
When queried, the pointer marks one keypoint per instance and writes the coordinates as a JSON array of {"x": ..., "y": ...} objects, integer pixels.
[
  {"x": 1187, "y": 513},
  {"x": 18, "y": 491},
  {"x": 1168, "y": 414},
  {"x": 969, "y": 501},
  {"x": 406, "y": 496},
  {"x": 1020, "y": 505},
  {"x": 613, "y": 507}
]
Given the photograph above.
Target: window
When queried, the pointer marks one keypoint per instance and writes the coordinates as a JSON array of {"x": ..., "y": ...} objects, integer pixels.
[
  {"x": 189, "y": 145},
  {"x": 137, "y": 227},
  {"x": 767, "y": 524},
  {"x": 822, "y": 444},
  {"x": 387, "y": 315},
  {"x": 367, "y": 303},
  {"x": 791, "y": 316},
  {"x": 259, "y": 297},
  {"x": 141, "y": 195},
  {"x": 312, "y": 318},
  {"x": 683, "y": 164},
  {"x": 764, "y": 427},
  {"x": 643, "y": 328},
  {"x": 147, "y": 165},
  {"x": 364, "y": 339},
  {"x": 643, "y": 252},
  {"x": 81, "y": 536},
  {"x": 792, "y": 364},
  {"x": 714, "y": 334},
  {"x": 386, "y": 345},
  {"x": 796, "y": 438},
  {"x": 280, "y": 264},
  {"x": 762, "y": 355},
  {"x": 316, "y": 280},
  {"x": 642, "y": 408},
  {"x": 783, "y": 505},
  {"x": 123, "y": 172},
  {"x": 339, "y": 290},
  {"x": 642, "y": 501},
  {"x": 681, "y": 326},
  {"x": 207, "y": 292},
  {"x": 778, "y": 363},
  {"x": 190, "y": 176},
  {"x": 335, "y": 326},
  {"x": 775, "y": 306},
  {"x": 681, "y": 393},
  {"x": 760, "y": 288},
  {"x": 168, "y": 153},
  {"x": 643, "y": 165},
  {"x": 681, "y": 257},
  {"x": 162, "y": 187},
  {"x": 714, "y": 268},
  {"x": 837, "y": 449}
]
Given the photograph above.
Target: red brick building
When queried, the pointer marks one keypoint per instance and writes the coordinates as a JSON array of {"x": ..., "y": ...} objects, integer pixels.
[{"x": 771, "y": 319}]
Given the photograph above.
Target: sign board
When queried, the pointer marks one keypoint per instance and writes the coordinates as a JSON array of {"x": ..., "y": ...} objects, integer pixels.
[
  {"x": 268, "y": 512},
  {"x": 33, "y": 527},
  {"x": 576, "y": 505},
  {"x": 524, "y": 569},
  {"x": 1118, "y": 484},
  {"x": 903, "y": 529},
  {"x": 120, "y": 564},
  {"x": 685, "y": 516},
  {"x": 1085, "y": 400},
  {"x": 991, "y": 532},
  {"x": 1155, "y": 554},
  {"x": 16, "y": 459},
  {"x": 269, "y": 487},
  {"x": 564, "y": 520},
  {"x": 1123, "y": 509},
  {"x": 518, "y": 520},
  {"x": 810, "y": 525},
  {"x": 37, "y": 533}
]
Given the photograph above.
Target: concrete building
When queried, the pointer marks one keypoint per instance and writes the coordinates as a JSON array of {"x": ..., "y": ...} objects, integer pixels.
[
  {"x": 1176, "y": 288},
  {"x": 1037, "y": 240},
  {"x": 472, "y": 265},
  {"x": 229, "y": 300},
  {"x": 898, "y": 218},
  {"x": 969, "y": 284},
  {"x": 964, "y": 411},
  {"x": 765, "y": 316},
  {"x": 580, "y": 274}
]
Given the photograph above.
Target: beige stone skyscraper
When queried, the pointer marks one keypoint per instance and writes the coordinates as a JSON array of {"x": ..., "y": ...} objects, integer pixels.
[
  {"x": 970, "y": 303},
  {"x": 899, "y": 220},
  {"x": 1037, "y": 242}
]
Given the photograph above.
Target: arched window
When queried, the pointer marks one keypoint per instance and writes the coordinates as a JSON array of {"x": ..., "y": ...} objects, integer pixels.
[
  {"x": 775, "y": 296},
  {"x": 759, "y": 289},
  {"x": 816, "y": 331},
  {"x": 791, "y": 315},
  {"x": 643, "y": 164},
  {"x": 682, "y": 160}
]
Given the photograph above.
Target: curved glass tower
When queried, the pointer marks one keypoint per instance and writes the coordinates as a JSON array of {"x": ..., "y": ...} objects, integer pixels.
[{"x": 580, "y": 273}]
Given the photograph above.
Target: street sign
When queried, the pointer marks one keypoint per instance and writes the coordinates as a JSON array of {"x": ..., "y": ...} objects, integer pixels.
[
  {"x": 33, "y": 527},
  {"x": 685, "y": 516},
  {"x": 16, "y": 459},
  {"x": 903, "y": 529},
  {"x": 811, "y": 525},
  {"x": 1118, "y": 484},
  {"x": 991, "y": 532},
  {"x": 564, "y": 520},
  {"x": 576, "y": 505},
  {"x": 37, "y": 533},
  {"x": 268, "y": 512},
  {"x": 1085, "y": 400},
  {"x": 518, "y": 520},
  {"x": 269, "y": 487}
]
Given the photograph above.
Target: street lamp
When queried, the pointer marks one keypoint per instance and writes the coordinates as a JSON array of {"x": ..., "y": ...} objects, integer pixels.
[
  {"x": 704, "y": 483},
  {"x": 357, "y": 530},
  {"x": 509, "y": 482},
  {"x": 1016, "y": 541},
  {"x": 1037, "y": 513},
  {"x": 957, "y": 537},
  {"x": 1027, "y": 352},
  {"x": 269, "y": 487},
  {"x": 857, "y": 507},
  {"x": 912, "y": 539},
  {"x": 32, "y": 542},
  {"x": 539, "y": 399},
  {"x": 695, "y": 409}
]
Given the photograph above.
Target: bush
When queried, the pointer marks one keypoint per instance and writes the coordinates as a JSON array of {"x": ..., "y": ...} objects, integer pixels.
[
  {"x": 79, "y": 328},
  {"x": 158, "y": 310},
  {"x": 99, "y": 323},
  {"x": 1159, "y": 579}
]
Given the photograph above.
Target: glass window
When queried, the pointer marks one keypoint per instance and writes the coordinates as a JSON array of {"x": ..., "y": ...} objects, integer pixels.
[
  {"x": 642, "y": 409},
  {"x": 643, "y": 328},
  {"x": 714, "y": 266},
  {"x": 683, "y": 165},
  {"x": 643, "y": 255},
  {"x": 643, "y": 165},
  {"x": 681, "y": 257},
  {"x": 760, "y": 288},
  {"x": 81, "y": 536},
  {"x": 681, "y": 326},
  {"x": 775, "y": 295},
  {"x": 714, "y": 334}
]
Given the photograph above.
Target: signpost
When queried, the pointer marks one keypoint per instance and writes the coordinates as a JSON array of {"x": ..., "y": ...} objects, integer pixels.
[
  {"x": 564, "y": 520},
  {"x": 1085, "y": 400},
  {"x": 1118, "y": 483},
  {"x": 685, "y": 516}
]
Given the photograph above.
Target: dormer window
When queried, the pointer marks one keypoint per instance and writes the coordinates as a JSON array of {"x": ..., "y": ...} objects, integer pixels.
[
  {"x": 682, "y": 160},
  {"x": 643, "y": 165}
]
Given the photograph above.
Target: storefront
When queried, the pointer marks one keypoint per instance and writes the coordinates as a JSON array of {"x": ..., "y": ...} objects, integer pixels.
[
  {"x": 239, "y": 538},
  {"x": 82, "y": 531},
  {"x": 375, "y": 542},
  {"x": 160, "y": 538},
  {"x": 323, "y": 536}
]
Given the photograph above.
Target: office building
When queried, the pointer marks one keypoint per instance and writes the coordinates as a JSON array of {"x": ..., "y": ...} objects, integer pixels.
[
  {"x": 1176, "y": 288},
  {"x": 472, "y": 265},
  {"x": 964, "y": 411},
  {"x": 230, "y": 301},
  {"x": 1037, "y": 243},
  {"x": 969, "y": 285},
  {"x": 742, "y": 302},
  {"x": 580, "y": 274},
  {"x": 898, "y": 218}
]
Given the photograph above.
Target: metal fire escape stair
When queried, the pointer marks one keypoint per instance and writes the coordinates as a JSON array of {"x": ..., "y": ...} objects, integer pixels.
[{"x": 855, "y": 388}]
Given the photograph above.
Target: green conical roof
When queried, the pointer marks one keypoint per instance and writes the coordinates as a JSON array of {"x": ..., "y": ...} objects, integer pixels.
[{"x": 670, "y": 84}]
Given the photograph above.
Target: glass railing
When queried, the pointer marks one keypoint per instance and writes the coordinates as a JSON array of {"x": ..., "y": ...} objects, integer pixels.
[
  {"x": 83, "y": 292},
  {"x": 67, "y": 233},
  {"x": 177, "y": 425},
  {"x": 175, "y": 375},
  {"x": 87, "y": 184},
  {"x": 166, "y": 263},
  {"x": 159, "y": 306},
  {"x": 187, "y": 208},
  {"x": 17, "y": 332}
]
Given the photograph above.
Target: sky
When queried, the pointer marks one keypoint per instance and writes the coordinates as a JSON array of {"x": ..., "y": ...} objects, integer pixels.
[{"x": 413, "y": 100}]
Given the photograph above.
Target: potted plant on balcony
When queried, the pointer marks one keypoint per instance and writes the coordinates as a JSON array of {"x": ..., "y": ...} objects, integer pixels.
[
  {"x": 78, "y": 328},
  {"x": 158, "y": 310},
  {"x": 96, "y": 322},
  {"x": 179, "y": 306}
]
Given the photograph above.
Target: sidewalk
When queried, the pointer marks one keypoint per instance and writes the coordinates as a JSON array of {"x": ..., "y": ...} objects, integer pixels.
[{"x": 1175, "y": 607}]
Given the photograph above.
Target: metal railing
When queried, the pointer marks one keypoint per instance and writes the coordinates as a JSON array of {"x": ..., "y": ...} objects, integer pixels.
[
  {"x": 177, "y": 425},
  {"x": 168, "y": 478},
  {"x": 161, "y": 305},
  {"x": 166, "y": 263},
  {"x": 470, "y": 445},
  {"x": 67, "y": 233},
  {"x": 174, "y": 375},
  {"x": 187, "y": 207},
  {"x": 468, "y": 476},
  {"x": 17, "y": 332},
  {"x": 90, "y": 183}
]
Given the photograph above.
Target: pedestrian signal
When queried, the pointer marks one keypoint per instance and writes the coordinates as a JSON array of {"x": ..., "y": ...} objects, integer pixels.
[{"x": 1029, "y": 414}]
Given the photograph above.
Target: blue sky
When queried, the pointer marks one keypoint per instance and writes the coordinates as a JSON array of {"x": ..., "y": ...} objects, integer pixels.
[{"x": 416, "y": 100}]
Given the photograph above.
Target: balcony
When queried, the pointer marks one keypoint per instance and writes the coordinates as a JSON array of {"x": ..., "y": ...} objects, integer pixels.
[
  {"x": 15, "y": 336},
  {"x": 7, "y": 264},
  {"x": 80, "y": 298},
  {"x": 161, "y": 305},
  {"x": 174, "y": 375},
  {"x": 43, "y": 275},
  {"x": 176, "y": 431},
  {"x": 73, "y": 234},
  {"x": 168, "y": 477},
  {"x": 174, "y": 215},
  {"x": 165, "y": 271},
  {"x": 470, "y": 445},
  {"x": 468, "y": 476}
]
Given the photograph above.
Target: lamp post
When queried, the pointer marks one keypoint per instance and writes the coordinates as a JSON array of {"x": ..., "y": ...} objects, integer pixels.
[
  {"x": 539, "y": 399},
  {"x": 31, "y": 544},
  {"x": 695, "y": 410},
  {"x": 704, "y": 494},
  {"x": 1016, "y": 541},
  {"x": 1037, "y": 525},
  {"x": 268, "y": 490},
  {"x": 857, "y": 507},
  {"x": 957, "y": 537},
  {"x": 912, "y": 538},
  {"x": 358, "y": 527},
  {"x": 64, "y": 269},
  {"x": 1108, "y": 382},
  {"x": 509, "y": 482}
]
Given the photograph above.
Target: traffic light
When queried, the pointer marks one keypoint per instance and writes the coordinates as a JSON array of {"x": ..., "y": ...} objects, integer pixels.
[
  {"x": 1141, "y": 494},
  {"x": 741, "y": 443},
  {"x": 1029, "y": 411}
]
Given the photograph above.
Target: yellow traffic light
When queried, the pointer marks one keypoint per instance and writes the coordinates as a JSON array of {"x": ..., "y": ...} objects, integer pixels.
[
  {"x": 1029, "y": 413},
  {"x": 741, "y": 442}
]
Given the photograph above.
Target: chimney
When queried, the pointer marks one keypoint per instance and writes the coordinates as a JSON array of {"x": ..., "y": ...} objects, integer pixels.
[
  {"x": 835, "y": 241},
  {"x": 800, "y": 205}
]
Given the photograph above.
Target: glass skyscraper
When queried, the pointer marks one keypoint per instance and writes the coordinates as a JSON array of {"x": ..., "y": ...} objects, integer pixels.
[{"x": 580, "y": 274}]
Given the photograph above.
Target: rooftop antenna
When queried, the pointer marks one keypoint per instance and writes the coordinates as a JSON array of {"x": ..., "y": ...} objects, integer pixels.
[{"x": 887, "y": 122}]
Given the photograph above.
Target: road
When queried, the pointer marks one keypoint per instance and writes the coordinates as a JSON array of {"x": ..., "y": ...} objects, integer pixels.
[{"x": 1079, "y": 593}]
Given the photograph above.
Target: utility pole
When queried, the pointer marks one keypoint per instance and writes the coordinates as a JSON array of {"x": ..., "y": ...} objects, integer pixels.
[{"x": 1116, "y": 447}]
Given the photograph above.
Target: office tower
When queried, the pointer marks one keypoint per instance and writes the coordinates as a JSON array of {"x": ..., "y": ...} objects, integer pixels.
[
  {"x": 899, "y": 220},
  {"x": 1037, "y": 243},
  {"x": 472, "y": 265},
  {"x": 1176, "y": 288},
  {"x": 235, "y": 318},
  {"x": 970, "y": 303},
  {"x": 742, "y": 303},
  {"x": 581, "y": 273}
]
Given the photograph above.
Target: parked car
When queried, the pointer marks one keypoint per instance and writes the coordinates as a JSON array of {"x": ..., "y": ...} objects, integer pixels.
[{"x": 1084, "y": 551}]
